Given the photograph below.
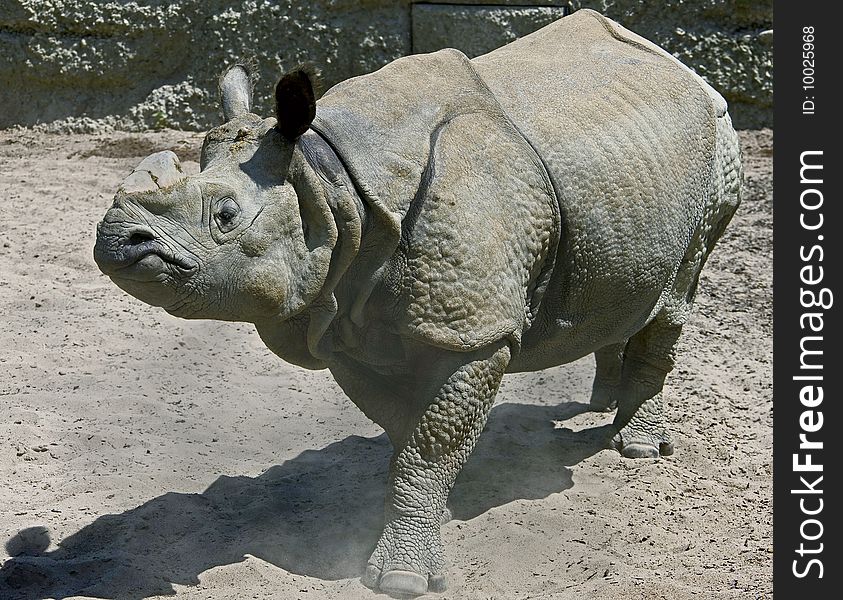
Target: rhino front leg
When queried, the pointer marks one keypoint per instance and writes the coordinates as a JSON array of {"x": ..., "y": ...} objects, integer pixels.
[
  {"x": 409, "y": 557},
  {"x": 648, "y": 358}
]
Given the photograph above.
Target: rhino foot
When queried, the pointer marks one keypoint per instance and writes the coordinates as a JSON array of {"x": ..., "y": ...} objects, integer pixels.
[
  {"x": 399, "y": 583},
  {"x": 642, "y": 444},
  {"x": 407, "y": 560},
  {"x": 638, "y": 440},
  {"x": 644, "y": 435}
]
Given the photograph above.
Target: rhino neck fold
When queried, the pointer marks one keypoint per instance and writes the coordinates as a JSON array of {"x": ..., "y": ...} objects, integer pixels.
[{"x": 349, "y": 217}]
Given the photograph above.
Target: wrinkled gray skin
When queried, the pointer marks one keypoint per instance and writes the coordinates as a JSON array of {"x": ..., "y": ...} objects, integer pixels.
[{"x": 443, "y": 222}]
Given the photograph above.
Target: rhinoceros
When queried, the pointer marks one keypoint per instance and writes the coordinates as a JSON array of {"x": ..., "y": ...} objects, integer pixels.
[{"x": 424, "y": 229}]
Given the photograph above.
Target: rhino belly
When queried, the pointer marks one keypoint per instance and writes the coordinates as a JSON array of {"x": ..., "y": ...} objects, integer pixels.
[{"x": 561, "y": 334}]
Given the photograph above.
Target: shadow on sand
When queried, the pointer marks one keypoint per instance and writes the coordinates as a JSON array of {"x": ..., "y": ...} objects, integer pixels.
[{"x": 318, "y": 514}]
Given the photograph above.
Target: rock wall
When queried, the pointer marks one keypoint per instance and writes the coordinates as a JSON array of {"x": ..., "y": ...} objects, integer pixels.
[
  {"x": 90, "y": 64},
  {"x": 154, "y": 63}
]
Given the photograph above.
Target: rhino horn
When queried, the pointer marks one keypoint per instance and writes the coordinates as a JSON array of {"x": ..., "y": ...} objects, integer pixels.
[
  {"x": 235, "y": 88},
  {"x": 155, "y": 172}
]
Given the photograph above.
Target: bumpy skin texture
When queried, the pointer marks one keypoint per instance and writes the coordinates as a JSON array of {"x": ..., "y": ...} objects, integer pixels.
[{"x": 443, "y": 222}]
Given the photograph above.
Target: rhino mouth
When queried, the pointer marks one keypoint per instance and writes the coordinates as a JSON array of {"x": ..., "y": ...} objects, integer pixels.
[{"x": 139, "y": 256}]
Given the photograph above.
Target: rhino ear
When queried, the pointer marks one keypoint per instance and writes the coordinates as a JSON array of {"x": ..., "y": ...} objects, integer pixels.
[
  {"x": 295, "y": 102},
  {"x": 236, "y": 86}
]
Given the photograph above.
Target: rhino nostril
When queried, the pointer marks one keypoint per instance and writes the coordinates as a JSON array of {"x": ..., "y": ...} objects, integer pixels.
[{"x": 139, "y": 237}]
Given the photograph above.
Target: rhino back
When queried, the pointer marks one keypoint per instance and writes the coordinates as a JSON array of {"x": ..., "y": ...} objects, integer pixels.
[{"x": 628, "y": 136}]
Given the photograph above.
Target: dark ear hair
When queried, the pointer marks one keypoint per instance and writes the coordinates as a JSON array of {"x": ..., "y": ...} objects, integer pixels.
[{"x": 295, "y": 102}]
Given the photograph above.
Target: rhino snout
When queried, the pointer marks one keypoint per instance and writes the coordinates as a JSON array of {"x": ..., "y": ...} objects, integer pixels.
[{"x": 120, "y": 247}]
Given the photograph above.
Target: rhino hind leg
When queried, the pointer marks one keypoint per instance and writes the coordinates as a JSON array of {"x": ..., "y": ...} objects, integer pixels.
[
  {"x": 649, "y": 354},
  {"x": 640, "y": 423},
  {"x": 607, "y": 386},
  {"x": 409, "y": 557}
]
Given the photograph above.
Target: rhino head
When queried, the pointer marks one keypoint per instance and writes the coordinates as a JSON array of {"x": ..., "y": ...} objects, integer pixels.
[{"x": 248, "y": 238}]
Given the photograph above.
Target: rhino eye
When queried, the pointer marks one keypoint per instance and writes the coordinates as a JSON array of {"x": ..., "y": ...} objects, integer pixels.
[{"x": 227, "y": 214}]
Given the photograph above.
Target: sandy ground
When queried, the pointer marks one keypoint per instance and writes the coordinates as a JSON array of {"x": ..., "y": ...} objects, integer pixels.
[{"x": 145, "y": 456}]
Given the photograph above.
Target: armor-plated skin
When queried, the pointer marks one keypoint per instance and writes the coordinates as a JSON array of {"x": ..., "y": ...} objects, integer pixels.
[{"x": 444, "y": 221}]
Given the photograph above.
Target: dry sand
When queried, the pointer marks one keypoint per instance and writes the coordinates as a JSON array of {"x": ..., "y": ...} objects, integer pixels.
[{"x": 145, "y": 456}]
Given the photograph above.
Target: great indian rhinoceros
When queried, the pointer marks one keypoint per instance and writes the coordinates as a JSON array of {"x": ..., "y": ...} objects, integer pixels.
[{"x": 422, "y": 230}]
